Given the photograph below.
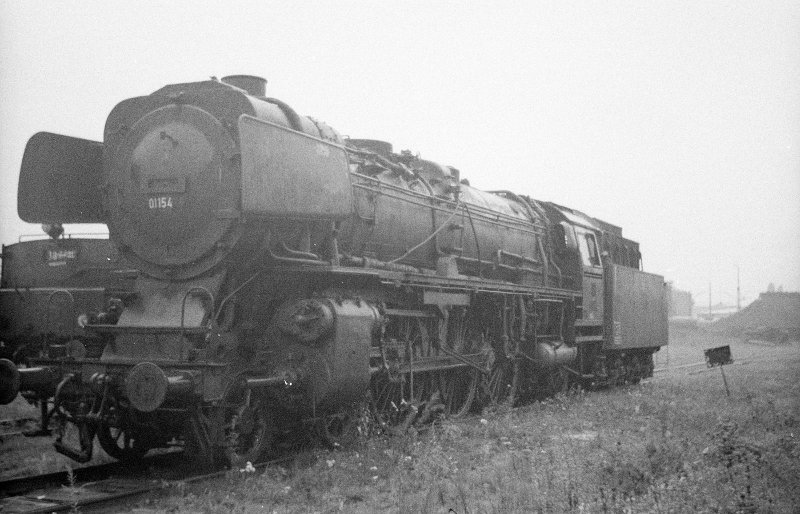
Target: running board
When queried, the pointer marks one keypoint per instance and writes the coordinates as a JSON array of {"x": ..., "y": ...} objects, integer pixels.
[
  {"x": 135, "y": 329},
  {"x": 588, "y": 339}
]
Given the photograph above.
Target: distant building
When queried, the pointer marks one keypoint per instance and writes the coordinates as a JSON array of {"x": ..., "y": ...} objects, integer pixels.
[
  {"x": 718, "y": 311},
  {"x": 680, "y": 302}
]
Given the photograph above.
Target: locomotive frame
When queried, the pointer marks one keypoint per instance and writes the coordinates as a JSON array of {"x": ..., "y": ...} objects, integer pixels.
[{"x": 289, "y": 277}]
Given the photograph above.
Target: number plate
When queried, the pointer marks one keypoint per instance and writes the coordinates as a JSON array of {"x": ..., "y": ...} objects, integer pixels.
[
  {"x": 60, "y": 256},
  {"x": 160, "y": 203}
]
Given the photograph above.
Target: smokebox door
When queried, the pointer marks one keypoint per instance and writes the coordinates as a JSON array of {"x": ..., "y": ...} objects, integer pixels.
[{"x": 60, "y": 180}]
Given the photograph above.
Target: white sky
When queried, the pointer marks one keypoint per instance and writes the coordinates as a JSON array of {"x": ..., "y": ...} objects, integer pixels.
[{"x": 678, "y": 121}]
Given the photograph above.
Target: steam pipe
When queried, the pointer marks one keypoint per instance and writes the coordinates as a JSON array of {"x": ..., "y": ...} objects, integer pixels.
[
  {"x": 297, "y": 253},
  {"x": 290, "y": 260},
  {"x": 291, "y": 115},
  {"x": 444, "y": 225}
]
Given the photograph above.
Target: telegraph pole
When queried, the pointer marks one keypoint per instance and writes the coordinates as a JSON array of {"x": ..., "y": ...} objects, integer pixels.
[{"x": 738, "y": 291}]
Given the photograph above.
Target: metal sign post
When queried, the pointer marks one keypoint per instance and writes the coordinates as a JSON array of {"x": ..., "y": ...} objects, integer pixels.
[{"x": 720, "y": 356}]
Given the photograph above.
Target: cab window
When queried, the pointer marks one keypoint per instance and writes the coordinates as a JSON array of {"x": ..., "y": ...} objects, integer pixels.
[
  {"x": 568, "y": 232},
  {"x": 589, "y": 253}
]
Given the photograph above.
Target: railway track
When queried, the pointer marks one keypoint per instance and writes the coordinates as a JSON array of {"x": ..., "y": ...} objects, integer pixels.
[
  {"x": 15, "y": 427},
  {"x": 101, "y": 486}
]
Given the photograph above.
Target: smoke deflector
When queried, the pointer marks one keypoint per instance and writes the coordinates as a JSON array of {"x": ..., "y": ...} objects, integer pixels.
[
  {"x": 60, "y": 180},
  {"x": 289, "y": 174}
]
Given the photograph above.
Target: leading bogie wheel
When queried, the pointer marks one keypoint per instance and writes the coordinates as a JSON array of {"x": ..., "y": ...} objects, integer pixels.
[
  {"x": 247, "y": 428},
  {"x": 121, "y": 443},
  {"x": 340, "y": 430}
]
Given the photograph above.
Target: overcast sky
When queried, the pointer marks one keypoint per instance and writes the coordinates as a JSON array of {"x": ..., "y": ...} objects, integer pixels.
[{"x": 678, "y": 121}]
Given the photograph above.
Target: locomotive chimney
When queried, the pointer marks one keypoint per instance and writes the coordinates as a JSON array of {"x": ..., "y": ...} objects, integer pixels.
[{"x": 255, "y": 86}]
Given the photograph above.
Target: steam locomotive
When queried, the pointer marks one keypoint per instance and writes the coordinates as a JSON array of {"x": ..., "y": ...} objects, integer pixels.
[
  {"x": 47, "y": 283},
  {"x": 291, "y": 277}
]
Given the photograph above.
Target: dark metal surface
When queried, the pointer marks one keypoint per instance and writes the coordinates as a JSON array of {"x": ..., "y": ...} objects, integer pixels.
[
  {"x": 255, "y": 86},
  {"x": 636, "y": 309},
  {"x": 718, "y": 356},
  {"x": 169, "y": 179},
  {"x": 47, "y": 283},
  {"x": 70, "y": 261},
  {"x": 348, "y": 351},
  {"x": 286, "y": 271},
  {"x": 288, "y": 174},
  {"x": 60, "y": 180}
]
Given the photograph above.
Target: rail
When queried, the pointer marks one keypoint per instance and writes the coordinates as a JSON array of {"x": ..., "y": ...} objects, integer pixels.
[
  {"x": 14, "y": 427},
  {"x": 94, "y": 486}
]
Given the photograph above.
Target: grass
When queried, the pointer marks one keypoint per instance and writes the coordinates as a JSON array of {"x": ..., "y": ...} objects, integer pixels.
[
  {"x": 676, "y": 443},
  {"x": 19, "y": 408},
  {"x": 23, "y": 456}
]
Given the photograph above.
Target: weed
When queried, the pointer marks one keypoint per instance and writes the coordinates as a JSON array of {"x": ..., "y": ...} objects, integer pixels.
[
  {"x": 672, "y": 445},
  {"x": 73, "y": 489}
]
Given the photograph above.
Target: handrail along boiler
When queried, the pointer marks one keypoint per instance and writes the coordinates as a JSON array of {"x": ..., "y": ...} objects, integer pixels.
[{"x": 286, "y": 273}]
